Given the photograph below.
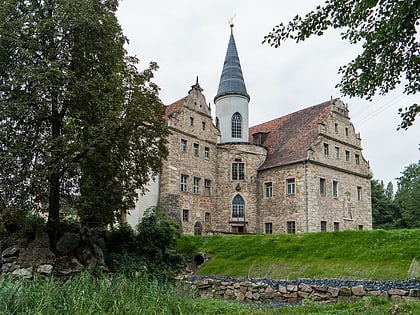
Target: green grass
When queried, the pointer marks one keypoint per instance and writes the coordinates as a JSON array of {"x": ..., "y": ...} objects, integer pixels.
[
  {"x": 85, "y": 295},
  {"x": 375, "y": 255}
]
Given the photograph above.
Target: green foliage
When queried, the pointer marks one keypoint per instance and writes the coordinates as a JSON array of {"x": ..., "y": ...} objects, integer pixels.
[
  {"x": 388, "y": 33},
  {"x": 79, "y": 124},
  {"x": 151, "y": 249},
  {"x": 408, "y": 196},
  {"x": 376, "y": 254},
  {"x": 402, "y": 209},
  {"x": 114, "y": 295}
]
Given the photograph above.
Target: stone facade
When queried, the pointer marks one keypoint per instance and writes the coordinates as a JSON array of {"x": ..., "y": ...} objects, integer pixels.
[{"x": 303, "y": 172}]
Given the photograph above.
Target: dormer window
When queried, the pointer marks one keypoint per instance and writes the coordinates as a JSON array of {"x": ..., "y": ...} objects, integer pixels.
[{"x": 236, "y": 125}]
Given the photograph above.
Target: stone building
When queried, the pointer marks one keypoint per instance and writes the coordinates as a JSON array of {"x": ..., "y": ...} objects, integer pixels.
[{"x": 303, "y": 172}]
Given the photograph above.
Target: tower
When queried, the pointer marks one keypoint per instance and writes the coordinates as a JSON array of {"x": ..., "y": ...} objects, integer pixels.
[{"x": 232, "y": 98}]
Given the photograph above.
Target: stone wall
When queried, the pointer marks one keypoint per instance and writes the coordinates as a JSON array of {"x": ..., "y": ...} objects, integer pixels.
[{"x": 322, "y": 291}]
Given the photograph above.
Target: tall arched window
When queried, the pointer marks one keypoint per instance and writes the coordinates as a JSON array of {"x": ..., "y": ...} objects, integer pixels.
[
  {"x": 236, "y": 125},
  {"x": 238, "y": 208}
]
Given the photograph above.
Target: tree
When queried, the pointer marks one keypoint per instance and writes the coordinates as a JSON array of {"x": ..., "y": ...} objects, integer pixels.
[
  {"x": 79, "y": 124},
  {"x": 391, "y": 51},
  {"x": 408, "y": 196},
  {"x": 384, "y": 213}
]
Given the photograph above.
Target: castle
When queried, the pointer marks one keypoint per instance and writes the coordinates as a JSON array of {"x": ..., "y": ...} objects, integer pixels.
[{"x": 303, "y": 172}]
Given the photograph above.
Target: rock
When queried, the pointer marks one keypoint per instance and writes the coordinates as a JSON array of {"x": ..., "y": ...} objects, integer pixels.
[
  {"x": 345, "y": 291},
  {"x": 25, "y": 273},
  {"x": 45, "y": 269},
  {"x": 305, "y": 287},
  {"x": 68, "y": 242},
  {"x": 397, "y": 292},
  {"x": 66, "y": 266},
  {"x": 240, "y": 297},
  {"x": 99, "y": 255},
  {"x": 12, "y": 251},
  {"x": 37, "y": 253},
  {"x": 9, "y": 267},
  {"x": 415, "y": 292},
  {"x": 358, "y": 290},
  {"x": 334, "y": 291}
]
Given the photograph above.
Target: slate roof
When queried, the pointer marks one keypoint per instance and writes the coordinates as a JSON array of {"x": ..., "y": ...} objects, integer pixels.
[
  {"x": 291, "y": 136},
  {"x": 231, "y": 81}
]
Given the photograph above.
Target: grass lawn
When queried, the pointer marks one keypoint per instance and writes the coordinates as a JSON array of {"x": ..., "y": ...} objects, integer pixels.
[{"x": 373, "y": 255}]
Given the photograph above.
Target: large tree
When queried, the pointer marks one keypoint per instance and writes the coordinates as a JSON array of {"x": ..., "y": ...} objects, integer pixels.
[
  {"x": 407, "y": 196},
  {"x": 79, "y": 124},
  {"x": 388, "y": 31}
]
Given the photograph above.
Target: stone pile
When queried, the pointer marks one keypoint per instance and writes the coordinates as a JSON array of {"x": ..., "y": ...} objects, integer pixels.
[
  {"x": 266, "y": 291},
  {"x": 75, "y": 251}
]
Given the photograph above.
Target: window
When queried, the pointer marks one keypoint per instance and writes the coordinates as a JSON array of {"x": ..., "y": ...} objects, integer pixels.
[
  {"x": 336, "y": 226},
  {"x": 360, "y": 227},
  {"x": 207, "y": 187},
  {"x": 195, "y": 149},
  {"x": 336, "y": 128},
  {"x": 207, "y": 152},
  {"x": 207, "y": 218},
  {"x": 217, "y": 123},
  {"x": 196, "y": 187},
  {"x": 185, "y": 215},
  {"x": 326, "y": 149},
  {"x": 191, "y": 121},
  {"x": 238, "y": 208},
  {"x": 183, "y": 145},
  {"x": 184, "y": 182},
  {"x": 347, "y": 155},
  {"x": 337, "y": 152},
  {"x": 203, "y": 125},
  {"x": 269, "y": 228},
  {"x": 335, "y": 188},
  {"x": 268, "y": 188},
  {"x": 323, "y": 226},
  {"x": 359, "y": 193},
  {"x": 322, "y": 187},
  {"x": 236, "y": 125},
  {"x": 347, "y": 131},
  {"x": 290, "y": 186},
  {"x": 357, "y": 159},
  {"x": 238, "y": 171},
  {"x": 291, "y": 227}
]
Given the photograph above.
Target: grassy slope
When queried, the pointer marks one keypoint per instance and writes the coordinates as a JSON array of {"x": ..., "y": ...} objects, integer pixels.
[{"x": 376, "y": 255}]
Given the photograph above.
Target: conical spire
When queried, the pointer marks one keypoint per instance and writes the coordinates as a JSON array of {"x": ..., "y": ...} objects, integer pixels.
[{"x": 231, "y": 81}]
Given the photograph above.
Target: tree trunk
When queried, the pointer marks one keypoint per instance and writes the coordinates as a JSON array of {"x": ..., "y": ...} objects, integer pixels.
[{"x": 53, "y": 222}]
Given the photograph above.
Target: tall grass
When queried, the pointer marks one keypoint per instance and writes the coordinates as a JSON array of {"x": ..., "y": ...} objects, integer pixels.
[
  {"x": 118, "y": 294},
  {"x": 376, "y": 255}
]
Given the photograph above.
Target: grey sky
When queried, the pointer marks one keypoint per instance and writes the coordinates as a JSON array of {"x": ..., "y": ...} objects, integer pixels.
[{"x": 189, "y": 38}]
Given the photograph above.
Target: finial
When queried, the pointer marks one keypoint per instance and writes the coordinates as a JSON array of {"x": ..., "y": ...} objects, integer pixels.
[{"x": 231, "y": 24}]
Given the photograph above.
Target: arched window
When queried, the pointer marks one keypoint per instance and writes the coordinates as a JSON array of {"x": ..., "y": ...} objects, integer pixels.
[
  {"x": 236, "y": 125},
  {"x": 238, "y": 208}
]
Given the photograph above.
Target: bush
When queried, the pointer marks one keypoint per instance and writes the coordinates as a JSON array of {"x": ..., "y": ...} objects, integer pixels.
[{"x": 150, "y": 249}]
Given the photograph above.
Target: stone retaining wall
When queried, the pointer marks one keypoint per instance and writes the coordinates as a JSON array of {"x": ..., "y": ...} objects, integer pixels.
[{"x": 264, "y": 292}]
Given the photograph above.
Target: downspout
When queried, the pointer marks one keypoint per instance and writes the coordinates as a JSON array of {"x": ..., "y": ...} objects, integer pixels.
[{"x": 305, "y": 185}]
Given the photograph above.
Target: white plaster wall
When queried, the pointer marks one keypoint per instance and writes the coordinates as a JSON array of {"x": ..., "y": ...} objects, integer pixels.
[
  {"x": 149, "y": 199},
  {"x": 226, "y": 106}
]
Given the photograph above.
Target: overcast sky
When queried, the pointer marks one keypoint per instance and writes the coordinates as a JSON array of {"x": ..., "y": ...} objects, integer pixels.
[{"x": 189, "y": 38}]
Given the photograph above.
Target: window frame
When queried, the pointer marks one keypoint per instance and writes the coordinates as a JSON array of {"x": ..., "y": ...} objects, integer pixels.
[
  {"x": 207, "y": 152},
  {"x": 268, "y": 227},
  {"x": 359, "y": 193},
  {"x": 183, "y": 146},
  {"x": 326, "y": 149},
  {"x": 238, "y": 171},
  {"x": 185, "y": 215},
  {"x": 184, "y": 182},
  {"x": 335, "y": 188},
  {"x": 291, "y": 227},
  {"x": 207, "y": 218},
  {"x": 236, "y": 125},
  {"x": 290, "y": 186},
  {"x": 196, "y": 185},
  {"x": 238, "y": 208},
  {"x": 196, "y": 149},
  {"x": 323, "y": 226},
  {"x": 322, "y": 186},
  {"x": 268, "y": 189}
]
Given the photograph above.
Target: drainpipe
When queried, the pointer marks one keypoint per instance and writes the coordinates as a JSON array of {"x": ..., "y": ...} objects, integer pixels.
[{"x": 305, "y": 184}]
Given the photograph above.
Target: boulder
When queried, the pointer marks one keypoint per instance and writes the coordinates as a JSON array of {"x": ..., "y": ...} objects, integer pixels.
[{"x": 68, "y": 242}]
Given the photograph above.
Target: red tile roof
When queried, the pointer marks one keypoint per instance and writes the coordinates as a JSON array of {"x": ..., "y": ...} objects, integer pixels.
[
  {"x": 291, "y": 136},
  {"x": 174, "y": 106}
]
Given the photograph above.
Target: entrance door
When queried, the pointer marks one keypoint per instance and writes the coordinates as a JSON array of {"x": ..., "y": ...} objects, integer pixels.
[{"x": 198, "y": 228}]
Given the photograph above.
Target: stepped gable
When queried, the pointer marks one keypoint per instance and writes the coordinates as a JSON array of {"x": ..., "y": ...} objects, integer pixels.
[{"x": 290, "y": 137}]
